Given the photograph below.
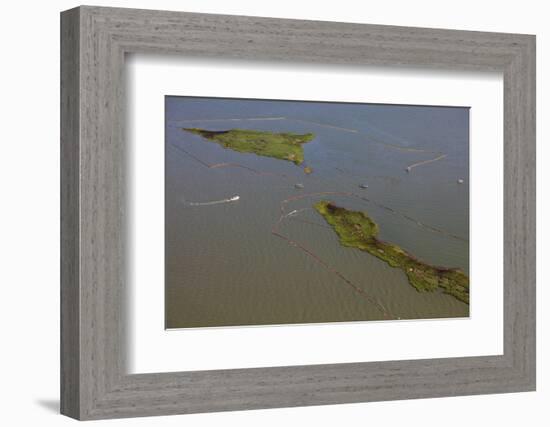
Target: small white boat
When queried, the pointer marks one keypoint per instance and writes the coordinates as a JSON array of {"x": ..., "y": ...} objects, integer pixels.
[{"x": 234, "y": 199}]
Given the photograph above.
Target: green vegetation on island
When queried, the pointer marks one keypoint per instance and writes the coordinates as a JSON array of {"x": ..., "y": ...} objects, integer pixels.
[
  {"x": 355, "y": 229},
  {"x": 284, "y": 146}
]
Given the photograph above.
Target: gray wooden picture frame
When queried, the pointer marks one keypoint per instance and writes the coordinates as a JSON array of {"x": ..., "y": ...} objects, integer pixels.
[{"x": 94, "y": 381}]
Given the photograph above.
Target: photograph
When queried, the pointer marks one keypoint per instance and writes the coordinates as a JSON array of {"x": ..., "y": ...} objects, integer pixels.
[{"x": 281, "y": 212}]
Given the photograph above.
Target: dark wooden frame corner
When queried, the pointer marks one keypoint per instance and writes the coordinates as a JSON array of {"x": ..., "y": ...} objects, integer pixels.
[{"x": 94, "y": 382}]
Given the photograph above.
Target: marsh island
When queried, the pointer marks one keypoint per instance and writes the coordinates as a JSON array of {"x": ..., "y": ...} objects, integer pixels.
[
  {"x": 284, "y": 145},
  {"x": 356, "y": 229}
]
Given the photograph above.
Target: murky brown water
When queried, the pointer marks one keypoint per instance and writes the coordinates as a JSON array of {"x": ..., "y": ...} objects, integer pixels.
[{"x": 224, "y": 267}]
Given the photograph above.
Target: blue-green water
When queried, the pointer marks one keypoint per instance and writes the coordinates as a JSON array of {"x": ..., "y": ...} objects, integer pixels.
[{"x": 225, "y": 267}]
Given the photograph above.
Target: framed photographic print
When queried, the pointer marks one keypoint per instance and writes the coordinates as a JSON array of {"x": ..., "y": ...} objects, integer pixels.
[{"x": 263, "y": 213}]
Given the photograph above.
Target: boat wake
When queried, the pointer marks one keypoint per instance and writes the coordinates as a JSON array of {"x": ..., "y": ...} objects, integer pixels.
[{"x": 215, "y": 202}]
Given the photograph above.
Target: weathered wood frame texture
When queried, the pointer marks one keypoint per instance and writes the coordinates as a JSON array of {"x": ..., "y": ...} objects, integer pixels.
[{"x": 94, "y": 41}]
